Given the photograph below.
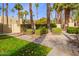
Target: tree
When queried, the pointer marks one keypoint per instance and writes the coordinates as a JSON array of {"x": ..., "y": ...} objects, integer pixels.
[
  {"x": 67, "y": 8},
  {"x": 18, "y": 7},
  {"x": 41, "y": 21},
  {"x": 21, "y": 14},
  {"x": 7, "y": 13},
  {"x": 2, "y": 16},
  {"x": 58, "y": 7},
  {"x": 12, "y": 10},
  {"x": 31, "y": 18},
  {"x": 25, "y": 13},
  {"x": 37, "y": 5},
  {"x": 48, "y": 16},
  {"x": 75, "y": 16}
]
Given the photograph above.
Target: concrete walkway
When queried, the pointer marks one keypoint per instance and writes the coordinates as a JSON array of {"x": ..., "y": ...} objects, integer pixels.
[{"x": 58, "y": 43}]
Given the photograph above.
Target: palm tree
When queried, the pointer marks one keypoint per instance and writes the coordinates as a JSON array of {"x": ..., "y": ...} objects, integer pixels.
[
  {"x": 31, "y": 18},
  {"x": 37, "y": 5},
  {"x": 75, "y": 16},
  {"x": 7, "y": 13},
  {"x": 25, "y": 13},
  {"x": 67, "y": 8},
  {"x": 48, "y": 16},
  {"x": 18, "y": 7},
  {"x": 21, "y": 14},
  {"x": 58, "y": 7},
  {"x": 2, "y": 16},
  {"x": 12, "y": 10}
]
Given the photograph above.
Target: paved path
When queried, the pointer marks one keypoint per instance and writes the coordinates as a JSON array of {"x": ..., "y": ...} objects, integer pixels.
[{"x": 58, "y": 43}]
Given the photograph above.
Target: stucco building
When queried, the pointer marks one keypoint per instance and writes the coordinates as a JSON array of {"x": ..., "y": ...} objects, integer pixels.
[{"x": 13, "y": 25}]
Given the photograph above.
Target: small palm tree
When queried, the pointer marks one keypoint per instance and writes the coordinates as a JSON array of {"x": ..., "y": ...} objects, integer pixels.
[
  {"x": 21, "y": 14},
  {"x": 18, "y": 7},
  {"x": 25, "y": 13}
]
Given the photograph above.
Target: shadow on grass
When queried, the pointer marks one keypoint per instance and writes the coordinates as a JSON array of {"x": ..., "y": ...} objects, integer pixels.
[
  {"x": 2, "y": 37},
  {"x": 32, "y": 49}
]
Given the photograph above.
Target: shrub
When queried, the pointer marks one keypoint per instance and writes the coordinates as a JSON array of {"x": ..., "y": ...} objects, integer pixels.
[
  {"x": 43, "y": 30},
  {"x": 29, "y": 31},
  {"x": 53, "y": 25},
  {"x": 77, "y": 30},
  {"x": 57, "y": 31},
  {"x": 71, "y": 30},
  {"x": 37, "y": 31}
]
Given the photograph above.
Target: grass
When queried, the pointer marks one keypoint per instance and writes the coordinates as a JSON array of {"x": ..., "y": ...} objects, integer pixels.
[
  {"x": 36, "y": 35},
  {"x": 29, "y": 31},
  {"x": 57, "y": 31},
  {"x": 37, "y": 32},
  {"x": 16, "y": 47}
]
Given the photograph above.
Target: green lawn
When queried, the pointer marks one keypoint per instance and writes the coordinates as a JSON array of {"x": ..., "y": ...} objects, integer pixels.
[
  {"x": 13, "y": 46},
  {"x": 29, "y": 31}
]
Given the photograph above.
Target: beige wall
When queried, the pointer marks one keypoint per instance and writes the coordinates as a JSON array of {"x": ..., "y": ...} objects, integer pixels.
[{"x": 12, "y": 27}]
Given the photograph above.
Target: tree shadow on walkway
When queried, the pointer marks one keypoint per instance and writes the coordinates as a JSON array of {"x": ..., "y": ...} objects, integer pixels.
[{"x": 33, "y": 49}]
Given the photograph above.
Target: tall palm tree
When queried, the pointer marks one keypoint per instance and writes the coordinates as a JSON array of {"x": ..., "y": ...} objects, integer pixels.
[
  {"x": 48, "y": 16},
  {"x": 67, "y": 8},
  {"x": 18, "y": 7},
  {"x": 7, "y": 13},
  {"x": 75, "y": 16},
  {"x": 2, "y": 16},
  {"x": 31, "y": 18},
  {"x": 37, "y": 5},
  {"x": 58, "y": 7}
]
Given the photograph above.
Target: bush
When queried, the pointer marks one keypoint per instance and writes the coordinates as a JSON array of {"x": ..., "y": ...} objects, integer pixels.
[
  {"x": 57, "y": 31},
  {"x": 43, "y": 30},
  {"x": 71, "y": 30},
  {"x": 29, "y": 31},
  {"x": 77, "y": 30},
  {"x": 53, "y": 25}
]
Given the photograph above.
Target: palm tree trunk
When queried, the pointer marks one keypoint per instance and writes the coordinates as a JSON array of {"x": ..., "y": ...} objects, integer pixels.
[
  {"x": 37, "y": 13},
  {"x": 48, "y": 16},
  {"x": 18, "y": 17},
  {"x": 78, "y": 23},
  {"x": 67, "y": 16},
  {"x": 55, "y": 17},
  {"x": 25, "y": 16},
  {"x": 7, "y": 13},
  {"x": 59, "y": 18},
  {"x": 2, "y": 17},
  {"x": 31, "y": 18}
]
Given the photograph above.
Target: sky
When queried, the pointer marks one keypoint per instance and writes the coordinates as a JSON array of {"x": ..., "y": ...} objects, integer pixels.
[{"x": 42, "y": 12}]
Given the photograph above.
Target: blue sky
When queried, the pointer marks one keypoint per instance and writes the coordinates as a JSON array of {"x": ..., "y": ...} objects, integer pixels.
[{"x": 41, "y": 10}]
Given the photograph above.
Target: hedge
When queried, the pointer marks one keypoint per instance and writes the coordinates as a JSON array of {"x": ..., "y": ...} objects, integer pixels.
[
  {"x": 53, "y": 25},
  {"x": 73, "y": 30}
]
